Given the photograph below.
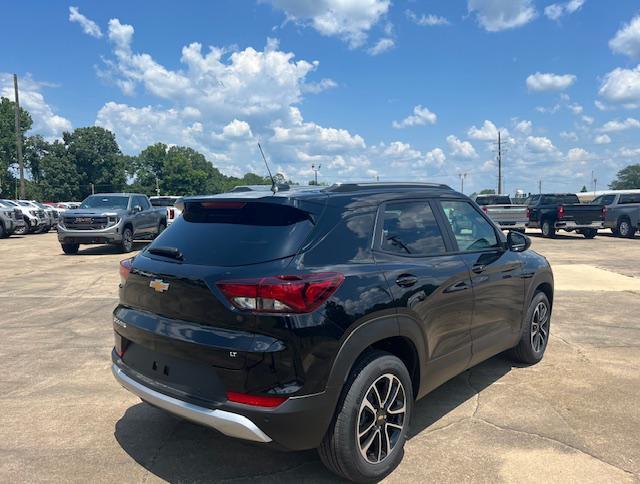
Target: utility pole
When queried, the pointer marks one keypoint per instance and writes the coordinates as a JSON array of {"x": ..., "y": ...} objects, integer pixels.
[
  {"x": 93, "y": 190},
  {"x": 499, "y": 158},
  {"x": 19, "y": 137},
  {"x": 462, "y": 177},
  {"x": 540, "y": 187},
  {"x": 157, "y": 186},
  {"x": 316, "y": 169}
]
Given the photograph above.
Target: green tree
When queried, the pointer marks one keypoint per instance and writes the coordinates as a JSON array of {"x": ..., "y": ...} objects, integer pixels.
[
  {"x": 97, "y": 158},
  {"x": 35, "y": 148},
  {"x": 8, "y": 156},
  {"x": 487, "y": 191},
  {"x": 59, "y": 177},
  {"x": 583, "y": 189},
  {"x": 627, "y": 179}
]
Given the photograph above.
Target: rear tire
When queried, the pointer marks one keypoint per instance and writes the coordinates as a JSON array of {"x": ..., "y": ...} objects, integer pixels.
[
  {"x": 589, "y": 233},
  {"x": 548, "y": 230},
  {"x": 161, "y": 228},
  {"x": 365, "y": 440},
  {"x": 126, "y": 245},
  {"x": 625, "y": 229},
  {"x": 3, "y": 232},
  {"x": 70, "y": 249},
  {"x": 535, "y": 333}
]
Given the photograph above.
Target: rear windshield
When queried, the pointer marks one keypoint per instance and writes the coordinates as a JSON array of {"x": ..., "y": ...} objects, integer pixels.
[
  {"x": 560, "y": 199},
  {"x": 100, "y": 201},
  {"x": 493, "y": 200},
  {"x": 226, "y": 233},
  {"x": 163, "y": 202}
]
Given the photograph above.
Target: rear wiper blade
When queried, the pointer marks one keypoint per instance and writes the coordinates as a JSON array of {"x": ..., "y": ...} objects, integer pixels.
[{"x": 170, "y": 252}]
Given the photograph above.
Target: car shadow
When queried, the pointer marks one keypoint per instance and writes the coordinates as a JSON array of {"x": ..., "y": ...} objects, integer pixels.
[
  {"x": 178, "y": 451},
  {"x": 108, "y": 249}
]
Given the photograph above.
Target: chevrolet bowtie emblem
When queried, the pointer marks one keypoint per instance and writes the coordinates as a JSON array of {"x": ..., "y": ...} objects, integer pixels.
[{"x": 159, "y": 285}]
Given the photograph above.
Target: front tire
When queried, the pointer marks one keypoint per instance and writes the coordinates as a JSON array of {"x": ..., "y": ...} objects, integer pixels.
[
  {"x": 70, "y": 249},
  {"x": 22, "y": 230},
  {"x": 535, "y": 334},
  {"x": 126, "y": 245},
  {"x": 548, "y": 229},
  {"x": 625, "y": 229},
  {"x": 365, "y": 441}
]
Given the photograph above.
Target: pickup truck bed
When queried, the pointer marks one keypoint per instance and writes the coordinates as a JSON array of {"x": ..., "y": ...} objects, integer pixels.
[{"x": 551, "y": 212}]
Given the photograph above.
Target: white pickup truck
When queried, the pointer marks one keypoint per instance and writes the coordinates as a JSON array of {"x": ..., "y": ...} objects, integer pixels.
[{"x": 507, "y": 215}]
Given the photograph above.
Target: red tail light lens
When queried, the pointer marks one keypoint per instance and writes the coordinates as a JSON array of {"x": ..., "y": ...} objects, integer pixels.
[
  {"x": 604, "y": 213},
  {"x": 172, "y": 213},
  {"x": 255, "y": 400},
  {"x": 561, "y": 211},
  {"x": 282, "y": 294},
  {"x": 125, "y": 269},
  {"x": 528, "y": 213},
  {"x": 484, "y": 209}
]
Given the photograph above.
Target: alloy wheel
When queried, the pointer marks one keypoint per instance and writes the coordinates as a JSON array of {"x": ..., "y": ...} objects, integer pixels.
[
  {"x": 539, "y": 327},
  {"x": 381, "y": 418}
]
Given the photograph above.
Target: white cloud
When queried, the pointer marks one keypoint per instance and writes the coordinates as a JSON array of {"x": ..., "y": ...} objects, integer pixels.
[
  {"x": 629, "y": 152},
  {"x": 461, "y": 149},
  {"x": 487, "y": 132},
  {"x": 497, "y": 15},
  {"x": 549, "y": 82},
  {"x": 576, "y": 108},
  {"x": 622, "y": 86},
  {"x": 618, "y": 125},
  {"x": 349, "y": 20},
  {"x": 524, "y": 126},
  {"x": 423, "y": 20},
  {"x": 420, "y": 117},
  {"x": 381, "y": 46},
  {"x": 602, "y": 139},
  {"x": 570, "y": 135},
  {"x": 89, "y": 27},
  {"x": 540, "y": 144},
  {"x": 318, "y": 87},
  {"x": 557, "y": 10},
  {"x": 588, "y": 120},
  {"x": 578, "y": 155},
  {"x": 237, "y": 129},
  {"x": 627, "y": 39},
  {"x": 45, "y": 121}
]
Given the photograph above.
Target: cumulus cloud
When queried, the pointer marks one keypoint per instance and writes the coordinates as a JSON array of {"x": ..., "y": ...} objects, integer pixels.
[
  {"x": 487, "y": 132},
  {"x": 349, "y": 20},
  {"x": 381, "y": 46},
  {"x": 627, "y": 39},
  {"x": 602, "y": 139},
  {"x": 420, "y": 117},
  {"x": 45, "y": 121},
  {"x": 461, "y": 149},
  {"x": 557, "y": 10},
  {"x": 622, "y": 87},
  {"x": 89, "y": 27},
  {"x": 424, "y": 20},
  {"x": 616, "y": 125},
  {"x": 524, "y": 126},
  {"x": 497, "y": 15},
  {"x": 540, "y": 144},
  {"x": 549, "y": 81},
  {"x": 318, "y": 87},
  {"x": 577, "y": 155}
]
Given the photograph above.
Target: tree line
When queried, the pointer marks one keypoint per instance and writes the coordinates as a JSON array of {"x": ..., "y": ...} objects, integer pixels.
[{"x": 89, "y": 159}]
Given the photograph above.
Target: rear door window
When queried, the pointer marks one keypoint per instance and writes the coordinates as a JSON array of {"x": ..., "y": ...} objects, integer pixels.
[
  {"x": 630, "y": 198},
  {"x": 604, "y": 200},
  {"x": 231, "y": 233},
  {"x": 410, "y": 228}
]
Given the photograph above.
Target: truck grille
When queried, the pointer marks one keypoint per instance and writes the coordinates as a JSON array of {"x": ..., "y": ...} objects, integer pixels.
[
  {"x": 17, "y": 214},
  {"x": 85, "y": 223},
  {"x": 40, "y": 213}
]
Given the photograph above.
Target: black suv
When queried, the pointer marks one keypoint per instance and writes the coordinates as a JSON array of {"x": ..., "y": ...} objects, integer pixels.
[{"x": 315, "y": 318}]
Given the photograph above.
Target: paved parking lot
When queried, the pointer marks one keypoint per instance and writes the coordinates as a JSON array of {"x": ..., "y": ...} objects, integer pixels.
[{"x": 575, "y": 417}]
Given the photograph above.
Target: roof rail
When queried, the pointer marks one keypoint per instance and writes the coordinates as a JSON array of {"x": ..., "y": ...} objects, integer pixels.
[{"x": 352, "y": 187}]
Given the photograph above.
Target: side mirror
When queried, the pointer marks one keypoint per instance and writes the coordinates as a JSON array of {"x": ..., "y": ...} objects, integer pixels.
[
  {"x": 137, "y": 208},
  {"x": 518, "y": 242}
]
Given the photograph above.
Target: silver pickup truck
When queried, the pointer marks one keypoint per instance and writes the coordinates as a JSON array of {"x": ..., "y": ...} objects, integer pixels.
[
  {"x": 505, "y": 214},
  {"x": 10, "y": 220},
  {"x": 110, "y": 218},
  {"x": 622, "y": 212}
]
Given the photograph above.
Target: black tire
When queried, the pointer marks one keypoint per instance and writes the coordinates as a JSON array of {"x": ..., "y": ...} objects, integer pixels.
[
  {"x": 126, "y": 245},
  {"x": 3, "y": 231},
  {"x": 625, "y": 229},
  {"x": 614, "y": 231},
  {"x": 70, "y": 249},
  {"x": 340, "y": 450},
  {"x": 548, "y": 229},
  {"x": 589, "y": 233},
  {"x": 531, "y": 348},
  {"x": 161, "y": 227},
  {"x": 22, "y": 230}
]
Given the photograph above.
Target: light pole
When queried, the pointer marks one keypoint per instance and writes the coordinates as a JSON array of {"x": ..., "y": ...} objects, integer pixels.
[
  {"x": 462, "y": 177},
  {"x": 316, "y": 169}
]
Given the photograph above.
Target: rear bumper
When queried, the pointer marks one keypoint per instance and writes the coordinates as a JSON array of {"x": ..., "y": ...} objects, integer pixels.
[
  {"x": 229, "y": 423},
  {"x": 575, "y": 225},
  {"x": 513, "y": 225}
]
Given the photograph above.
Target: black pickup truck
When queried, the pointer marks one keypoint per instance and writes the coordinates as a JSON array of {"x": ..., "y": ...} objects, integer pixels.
[{"x": 553, "y": 211}]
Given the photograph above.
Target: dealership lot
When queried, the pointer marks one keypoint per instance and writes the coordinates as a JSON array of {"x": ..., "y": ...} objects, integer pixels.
[{"x": 573, "y": 417}]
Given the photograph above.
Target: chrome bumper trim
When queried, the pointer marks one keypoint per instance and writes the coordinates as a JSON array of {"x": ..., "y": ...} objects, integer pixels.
[{"x": 231, "y": 424}]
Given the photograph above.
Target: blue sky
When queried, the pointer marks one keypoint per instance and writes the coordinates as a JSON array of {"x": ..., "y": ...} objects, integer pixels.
[{"x": 403, "y": 90}]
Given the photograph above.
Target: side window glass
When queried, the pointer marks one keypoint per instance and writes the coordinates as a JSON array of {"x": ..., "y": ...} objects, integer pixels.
[
  {"x": 410, "y": 228},
  {"x": 471, "y": 230},
  {"x": 144, "y": 203}
]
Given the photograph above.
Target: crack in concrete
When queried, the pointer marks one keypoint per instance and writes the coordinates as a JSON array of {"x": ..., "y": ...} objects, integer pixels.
[
  {"x": 156, "y": 454},
  {"x": 476, "y": 393}
]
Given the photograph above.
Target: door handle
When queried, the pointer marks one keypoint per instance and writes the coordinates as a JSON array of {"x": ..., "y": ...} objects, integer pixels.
[
  {"x": 478, "y": 268},
  {"x": 406, "y": 280}
]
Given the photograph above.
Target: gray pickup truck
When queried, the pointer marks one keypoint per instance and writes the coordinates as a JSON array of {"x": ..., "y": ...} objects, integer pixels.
[
  {"x": 111, "y": 218},
  {"x": 10, "y": 220},
  {"x": 622, "y": 212},
  {"x": 506, "y": 214}
]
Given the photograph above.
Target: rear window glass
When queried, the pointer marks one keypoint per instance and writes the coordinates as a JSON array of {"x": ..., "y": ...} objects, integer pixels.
[
  {"x": 225, "y": 233},
  {"x": 630, "y": 198},
  {"x": 560, "y": 200},
  {"x": 493, "y": 200},
  {"x": 163, "y": 202}
]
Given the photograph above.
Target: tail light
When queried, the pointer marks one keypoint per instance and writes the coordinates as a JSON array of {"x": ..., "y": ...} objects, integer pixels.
[
  {"x": 255, "y": 400},
  {"x": 484, "y": 209},
  {"x": 561, "y": 212},
  {"x": 603, "y": 213},
  {"x": 172, "y": 213},
  {"x": 125, "y": 269},
  {"x": 282, "y": 294},
  {"x": 528, "y": 213}
]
